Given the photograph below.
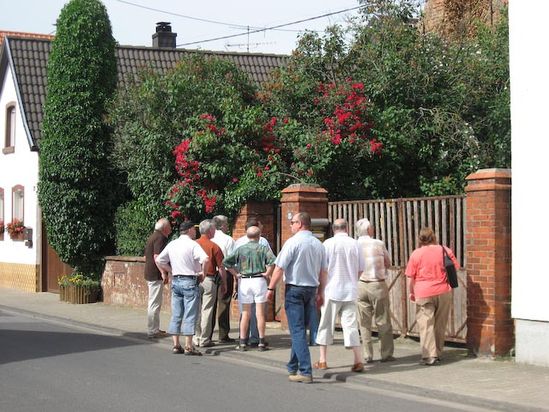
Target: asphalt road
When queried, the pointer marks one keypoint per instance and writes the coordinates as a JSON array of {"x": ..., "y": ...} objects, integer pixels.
[{"x": 50, "y": 366}]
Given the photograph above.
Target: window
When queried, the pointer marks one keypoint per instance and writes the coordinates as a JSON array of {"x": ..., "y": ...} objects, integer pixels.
[
  {"x": 9, "y": 143},
  {"x": 18, "y": 203},
  {"x": 2, "y": 221}
]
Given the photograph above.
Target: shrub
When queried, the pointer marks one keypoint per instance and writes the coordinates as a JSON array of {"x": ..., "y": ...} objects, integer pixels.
[{"x": 75, "y": 177}]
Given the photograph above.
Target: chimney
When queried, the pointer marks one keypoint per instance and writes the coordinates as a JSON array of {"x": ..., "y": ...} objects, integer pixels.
[{"x": 164, "y": 38}]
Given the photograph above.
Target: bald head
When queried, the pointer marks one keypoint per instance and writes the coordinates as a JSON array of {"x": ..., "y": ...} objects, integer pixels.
[
  {"x": 253, "y": 233},
  {"x": 340, "y": 225}
]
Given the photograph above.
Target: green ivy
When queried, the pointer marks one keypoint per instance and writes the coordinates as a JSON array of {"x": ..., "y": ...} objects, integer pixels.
[{"x": 75, "y": 177}]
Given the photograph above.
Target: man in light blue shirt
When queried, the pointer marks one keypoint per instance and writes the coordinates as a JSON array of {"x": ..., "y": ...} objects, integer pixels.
[{"x": 302, "y": 262}]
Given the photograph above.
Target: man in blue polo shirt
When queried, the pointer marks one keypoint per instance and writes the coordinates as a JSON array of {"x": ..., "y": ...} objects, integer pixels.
[{"x": 302, "y": 262}]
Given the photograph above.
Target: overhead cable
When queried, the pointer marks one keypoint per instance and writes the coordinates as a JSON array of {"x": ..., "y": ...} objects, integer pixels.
[{"x": 269, "y": 28}]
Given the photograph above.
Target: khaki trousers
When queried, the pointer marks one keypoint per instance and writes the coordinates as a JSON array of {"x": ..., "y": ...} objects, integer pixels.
[
  {"x": 373, "y": 303},
  {"x": 155, "y": 303},
  {"x": 205, "y": 319},
  {"x": 432, "y": 318}
]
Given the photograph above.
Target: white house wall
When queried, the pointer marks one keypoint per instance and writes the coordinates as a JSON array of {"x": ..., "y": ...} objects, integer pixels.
[
  {"x": 18, "y": 168},
  {"x": 529, "y": 66}
]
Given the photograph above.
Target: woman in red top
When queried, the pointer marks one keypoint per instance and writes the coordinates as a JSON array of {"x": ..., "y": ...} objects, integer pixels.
[{"x": 430, "y": 291}]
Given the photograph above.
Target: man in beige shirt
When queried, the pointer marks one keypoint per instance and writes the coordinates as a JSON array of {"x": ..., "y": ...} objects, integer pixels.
[{"x": 373, "y": 294}]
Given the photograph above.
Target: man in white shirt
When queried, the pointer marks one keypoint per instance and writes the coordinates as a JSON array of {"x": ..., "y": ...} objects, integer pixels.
[
  {"x": 373, "y": 294},
  {"x": 345, "y": 263},
  {"x": 223, "y": 310},
  {"x": 185, "y": 260}
]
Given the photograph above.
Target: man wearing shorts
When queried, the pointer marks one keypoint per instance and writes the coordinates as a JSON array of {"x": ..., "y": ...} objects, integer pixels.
[{"x": 252, "y": 265}]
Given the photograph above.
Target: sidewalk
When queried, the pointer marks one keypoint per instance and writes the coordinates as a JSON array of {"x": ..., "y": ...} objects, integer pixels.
[{"x": 497, "y": 385}]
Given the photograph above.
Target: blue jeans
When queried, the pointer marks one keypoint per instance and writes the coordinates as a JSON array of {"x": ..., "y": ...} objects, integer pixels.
[
  {"x": 313, "y": 323},
  {"x": 298, "y": 305},
  {"x": 253, "y": 332},
  {"x": 185, "y": 300}
]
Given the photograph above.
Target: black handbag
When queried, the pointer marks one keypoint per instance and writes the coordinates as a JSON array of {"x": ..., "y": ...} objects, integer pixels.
[{"x": 451, "y": 273}]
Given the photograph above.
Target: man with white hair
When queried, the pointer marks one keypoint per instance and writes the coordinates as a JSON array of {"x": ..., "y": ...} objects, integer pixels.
[
  {"x": 214, "y": 282},
  {"x": 373, "y": 294},
  {"x": 345, "y": 263},
  {"x": 156, "y": 242}
]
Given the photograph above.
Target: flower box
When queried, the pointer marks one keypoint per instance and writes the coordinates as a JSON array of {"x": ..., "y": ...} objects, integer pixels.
[
  {"x": 15, "y": 229},
  {"x": 78, "y": 294},
  {"x": 78, "y": 289}
]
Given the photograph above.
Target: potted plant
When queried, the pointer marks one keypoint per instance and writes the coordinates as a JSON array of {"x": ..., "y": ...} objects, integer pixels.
[
  {"x": 78, "y": 288},
  {"x": 15, "y": 229}
]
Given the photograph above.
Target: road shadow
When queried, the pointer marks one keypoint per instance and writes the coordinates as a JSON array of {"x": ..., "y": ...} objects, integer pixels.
[{"x": 19, "y": 345}]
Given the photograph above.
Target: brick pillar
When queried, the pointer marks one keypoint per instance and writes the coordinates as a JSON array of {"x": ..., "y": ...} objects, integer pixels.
[
  {"x": 265, "y": 212},
  {"x": 298, "y": 198},
  {"x": 490, "y": 329}
]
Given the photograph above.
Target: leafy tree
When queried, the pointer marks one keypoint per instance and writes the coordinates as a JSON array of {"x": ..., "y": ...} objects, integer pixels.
[
  {"x": 439, "y": 107},
  {"x": 76, "y": 187},
  {"x": 151, "y": 116}
]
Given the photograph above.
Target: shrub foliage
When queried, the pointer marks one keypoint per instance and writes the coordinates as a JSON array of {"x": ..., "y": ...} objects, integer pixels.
[{"x": 76, "y": 185}]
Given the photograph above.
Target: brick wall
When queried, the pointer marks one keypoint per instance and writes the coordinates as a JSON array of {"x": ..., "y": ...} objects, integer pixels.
[
  {"x": 123, "y": 283},
  {"x": 490, "y": 330},
  {"x": 450, "y": 16}
]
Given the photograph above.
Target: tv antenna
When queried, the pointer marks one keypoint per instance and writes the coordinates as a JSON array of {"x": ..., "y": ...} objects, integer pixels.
[{"x": 247, "y": 44}]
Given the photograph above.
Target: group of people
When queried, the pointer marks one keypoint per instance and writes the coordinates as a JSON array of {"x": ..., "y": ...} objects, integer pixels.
[{"x": 342, "y": 277}]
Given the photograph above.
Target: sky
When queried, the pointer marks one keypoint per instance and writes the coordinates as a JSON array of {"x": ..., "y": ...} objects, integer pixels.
[{"x": 133, "y": 21}]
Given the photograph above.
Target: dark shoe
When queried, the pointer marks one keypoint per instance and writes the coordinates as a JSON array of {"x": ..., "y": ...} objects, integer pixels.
[
  {"x": 300, "y": 378},
  {"x": 320, "y": 365},
  {"x": 358, "y": 367},
  {"x": 176, "y": 350},
  {"x": 262, "y": 347},
  {"x": 227, "y": 340},
  {"x": 369, "y": 360},
  {"x": 254, "y": 344},
  {"x": 429, "y": 361},
  {"x": 241, "y": 347},
  {"x": 388, "y": 359},
  {"x": 207, "y": 344},
  {"x": 192, "y": 351}
]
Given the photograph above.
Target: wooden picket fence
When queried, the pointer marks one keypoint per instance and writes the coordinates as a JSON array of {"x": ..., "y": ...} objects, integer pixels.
[{"x": 397, "y": 222}]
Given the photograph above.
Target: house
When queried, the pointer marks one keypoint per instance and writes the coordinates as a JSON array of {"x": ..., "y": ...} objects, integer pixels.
[{"x": 26, "y": 260}]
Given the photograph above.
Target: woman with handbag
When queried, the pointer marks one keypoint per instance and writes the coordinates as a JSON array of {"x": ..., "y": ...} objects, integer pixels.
[{"x": 428, "y": 287}]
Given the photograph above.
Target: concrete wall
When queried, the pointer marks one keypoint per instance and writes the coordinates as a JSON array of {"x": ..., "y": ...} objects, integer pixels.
[{"x": 529, "y": 90}]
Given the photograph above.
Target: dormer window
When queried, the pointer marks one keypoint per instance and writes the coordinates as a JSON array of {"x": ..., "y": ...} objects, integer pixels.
[{"x": 9, "y": 140}]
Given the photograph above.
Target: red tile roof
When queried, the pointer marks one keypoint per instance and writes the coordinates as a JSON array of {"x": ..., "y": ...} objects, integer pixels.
[{"x": 29, "y": 57}]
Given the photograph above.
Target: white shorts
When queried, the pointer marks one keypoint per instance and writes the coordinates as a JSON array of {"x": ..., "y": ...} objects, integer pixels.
[{"x": 252, "y": 290}]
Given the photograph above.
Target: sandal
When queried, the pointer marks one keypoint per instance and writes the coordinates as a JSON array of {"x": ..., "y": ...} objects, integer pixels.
[
  {"x": 192, "y": 351},
  {"x": 320, "y": 365},
  {"x": 358, "y": 367},
  {"x": 177, "y": 350}
]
